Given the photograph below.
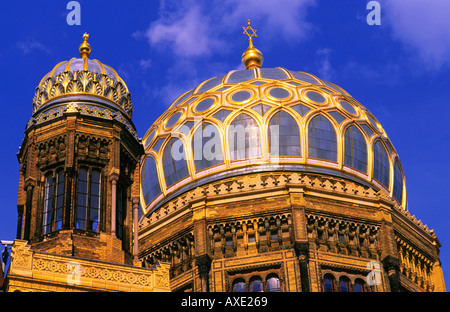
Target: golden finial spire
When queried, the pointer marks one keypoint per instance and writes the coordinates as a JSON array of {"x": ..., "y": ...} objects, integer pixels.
[
  {"x": 85, "y": 48},
  {"x": 252, "y": 57}
]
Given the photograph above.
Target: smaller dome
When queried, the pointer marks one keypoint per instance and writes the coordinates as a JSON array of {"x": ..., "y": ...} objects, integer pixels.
[
  {"x": 84, "y": 85},
  {"x": 83, "y": 76}
]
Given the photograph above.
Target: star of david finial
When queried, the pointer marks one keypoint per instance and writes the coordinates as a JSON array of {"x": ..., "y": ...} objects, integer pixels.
[
  {"x": 251, "y": 57},
  {"x": 252, "y": 34}
]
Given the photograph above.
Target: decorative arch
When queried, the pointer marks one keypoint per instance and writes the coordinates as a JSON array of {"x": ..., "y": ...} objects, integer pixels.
[
  {"x": 355, "y": 149},
  {"x": 174, "y": 162},
  {"x": 381, "y": 165},
  {"x": 244, "y": 140},
  {"x": 207, "y": 146},
  {"x": 284, "y": 135},
  {"x": 322, "y": 139}
]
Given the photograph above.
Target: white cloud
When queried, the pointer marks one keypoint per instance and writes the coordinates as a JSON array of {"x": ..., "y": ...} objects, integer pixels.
[
  {"x": 192, "y": 30},
  {"x": 423, "y": 26},
  {"x": 29, "y": 45},
  {"x": 325, "y": 70},
  {"x": 195, "y": 28},
  {"x": 188, "y": 33}
]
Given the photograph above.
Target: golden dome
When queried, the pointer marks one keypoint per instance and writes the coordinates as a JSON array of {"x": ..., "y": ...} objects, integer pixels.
[
  {"x": 83, "y": 77},
  {"x": 266, "y": 119}
]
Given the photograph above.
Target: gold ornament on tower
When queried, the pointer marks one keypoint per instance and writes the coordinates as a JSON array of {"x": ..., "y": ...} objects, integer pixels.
[{"x": 252, "y": 57}]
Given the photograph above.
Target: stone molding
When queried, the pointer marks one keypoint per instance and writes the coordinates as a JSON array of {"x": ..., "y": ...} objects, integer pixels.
[{"x": 71, "y": 273}]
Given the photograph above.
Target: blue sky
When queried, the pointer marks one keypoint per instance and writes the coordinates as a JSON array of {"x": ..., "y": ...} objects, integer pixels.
[{"x": 400, "y": 70}]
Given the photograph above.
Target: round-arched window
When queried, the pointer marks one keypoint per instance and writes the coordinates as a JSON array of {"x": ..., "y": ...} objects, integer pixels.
[
  {"x": 239, "y": 285},
  {"x": 256, "y": 285},
  {"x": 273, "y": 283}
]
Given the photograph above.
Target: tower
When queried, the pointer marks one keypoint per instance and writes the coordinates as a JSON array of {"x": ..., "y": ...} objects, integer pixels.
[
  {"x": 79, "y": 182},
  {"x": 269, "y": 179}
]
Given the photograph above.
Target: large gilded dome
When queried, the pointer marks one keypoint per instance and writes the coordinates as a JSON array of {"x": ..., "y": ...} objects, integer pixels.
[{"x": 265, "y": 119}]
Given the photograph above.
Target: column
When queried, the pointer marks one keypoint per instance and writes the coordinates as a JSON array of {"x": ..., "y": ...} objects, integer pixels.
[
  {"x": 114, "y": 177},
  {"x": 136, "y": 229}
]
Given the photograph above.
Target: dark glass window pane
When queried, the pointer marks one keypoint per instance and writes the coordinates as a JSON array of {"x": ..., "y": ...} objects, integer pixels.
[
  {"x": 82, "y": 197},
  {"x": 204, "y": 105},
  {"x": 304, "y": 77},
  {"x": 256, "y": 286},
  {"x": 207, "y": 147},
  {"x": 173, "y": 119},
  {"x": 381, "y": 164},
  {"x": 343, "y": 286},
  {"x": 174, "y": 162},
  {"x": 322, "y": 139},
  {"x": 95, "y": 176},
  {"x": 328, "y": 283},
  {"x": 241, "y": 75},
  {"x": 316, "y": 97},
  {"x": 273, "y": 73},
  {"x": 48, "y": 200},
  {"x": 243, "y": 138},
  {"x": 241, "y": 96},
  {"x": 210, "y": 84},
  {"x": 355, "y": 149},
  {"x": 279, "y": 93},
  {"x": 150, "y": 181},
  {"x": 359, "y": 287},
  {"x": 284, "y": 135},
  {"x": 239, "y": 287},
  {"x": 398, "y": 182}
]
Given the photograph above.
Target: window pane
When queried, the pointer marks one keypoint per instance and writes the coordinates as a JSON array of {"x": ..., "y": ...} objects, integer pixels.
[
  {"x": 355, "y": 149},
  {"x": 328, "y": 283},
  {"x": 256, "y": 286},
  {"x": 359, "y": 287},
  {"x": 150, "y": 181},
  {"x": 174, "y": 162},
  {"x": 207, "y": 147},
  {"x": 398, "y": 182},
  {"x": 82, "y": 199},
  {"x": 239, "y": 287},
  {"x": 243, "y": 138},
  {"x": 343, "y": 286},
  {"x": 284, "y": 135},
  {"x": 322, "y": 139},
  {"x": 95, "y": 176},
  {"x": 381, "y": 164},
  {"x": 273, "y": 284},
  {"x": 48, "y": 199}
]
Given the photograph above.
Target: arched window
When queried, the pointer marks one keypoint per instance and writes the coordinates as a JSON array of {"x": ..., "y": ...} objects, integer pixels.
[
  {"x": 121, "y": 210},
  {"x": 48, "y": 202},
  {"x": 273, "y": 283},
  {"x": 256, "y": 284},
  {"x": 322, "y": 142},
  {"x": 359, "y": 285},
  {"x": 328, "y": 283},
  {"x": 239, "y": 285},
  {"x": 88, "y": 199},
  {"x": 174, "y": 162},
  {"x": 53, "y": 202},
  {"x": 344, "y": 284},
  {"x": 398, "y": 181},
  {"x": 355, "y": 149},
  {"x": 380, "y": 164},
  {"x": 150, "y": 180},
  {"x": 243, "y": 138},
  {"x": 284, "y": 135},
  {"x": 207, "y": 147}
]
